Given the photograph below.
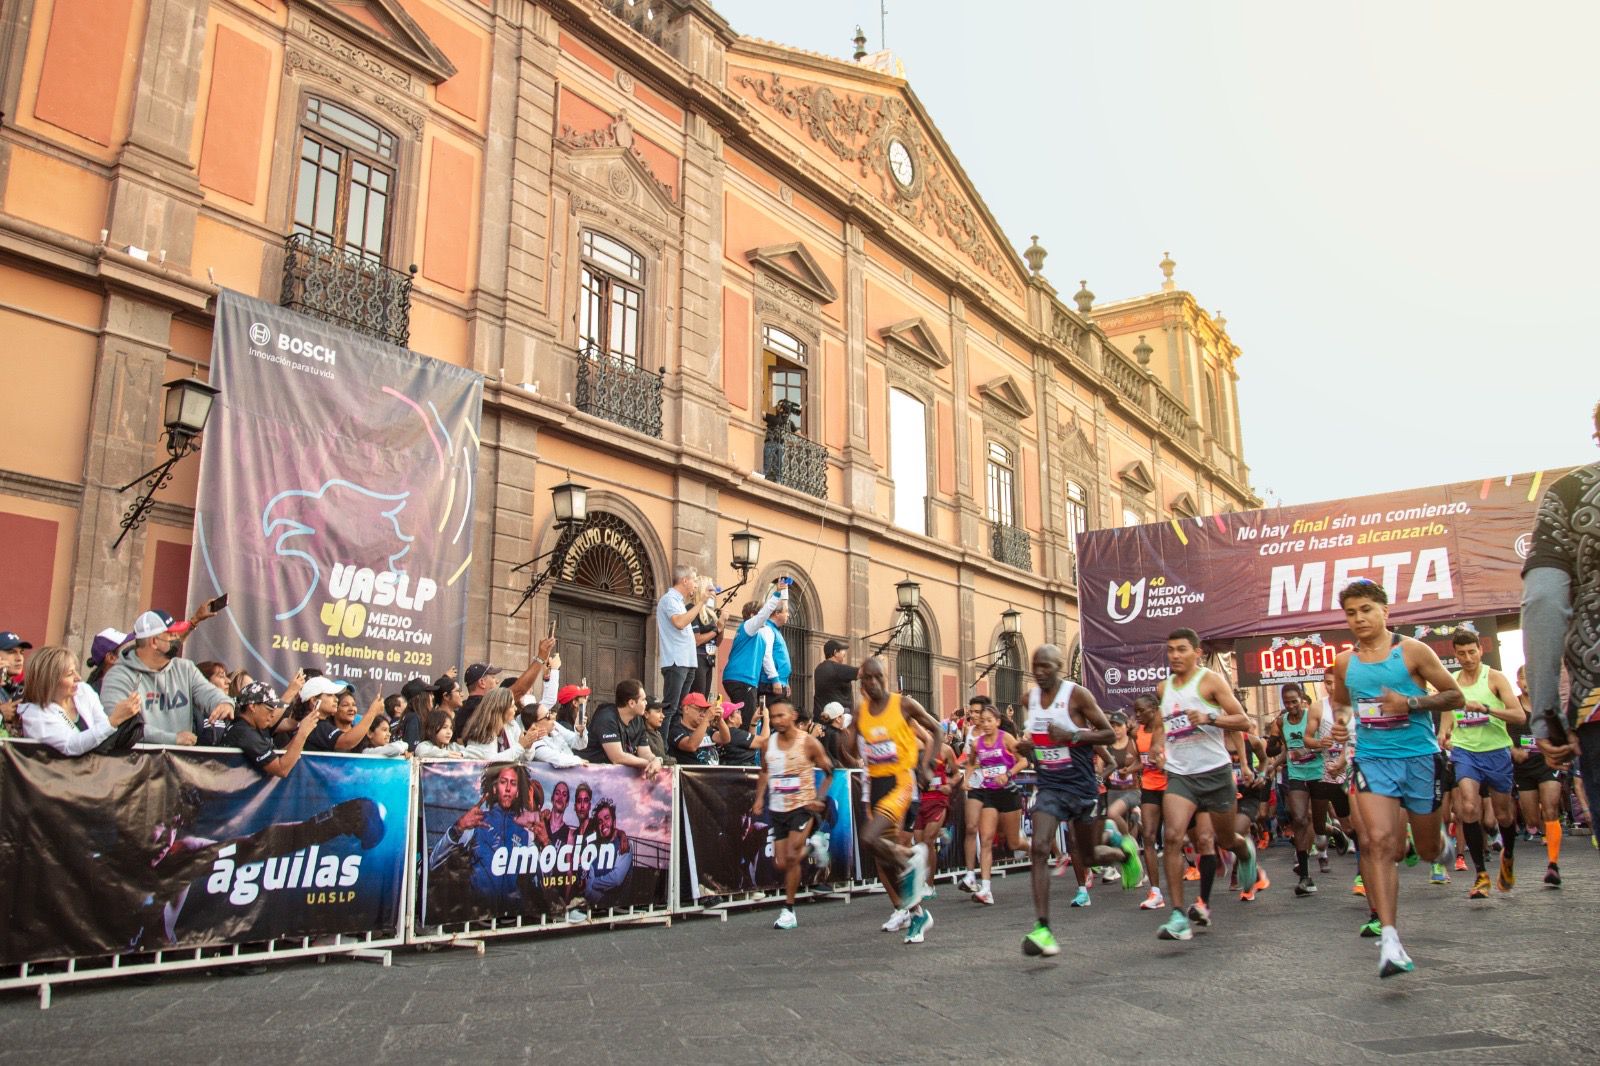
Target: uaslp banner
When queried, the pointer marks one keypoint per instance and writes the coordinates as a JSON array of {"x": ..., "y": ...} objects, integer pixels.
[{"x": 160, "y": 849}]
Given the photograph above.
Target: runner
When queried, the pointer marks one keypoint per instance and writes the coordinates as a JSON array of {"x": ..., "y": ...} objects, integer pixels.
[
  {"x": 1331, "y": 795},
  {"x": 1396, "y": 770},
  {"x": 1304, "y": 743},
  {"x": 1122, "y": 778},
  {"x": 1538, "y": 786},
  {"x": 786, "y": 790},
  {"x": 1152, "y": 786},
  {"x": 1063, "y": 727},
  {"x": 972, "y": 803},
  {"x": 1254, "y": 775},
  {"x": 934, "y": 808},
  {"x": 881, "y": 736},
  {"x": 1480, "y": 753},
  {"x": 994, "y": 757},
  {"x": 1197, "y": 708}
]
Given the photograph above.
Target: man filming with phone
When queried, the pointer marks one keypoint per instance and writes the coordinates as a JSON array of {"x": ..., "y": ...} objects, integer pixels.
[{"x": 758, "y": 664}]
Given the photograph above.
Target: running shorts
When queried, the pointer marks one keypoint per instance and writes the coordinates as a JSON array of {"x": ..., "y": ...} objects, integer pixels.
[
  {"x": 1414, "y": 780},
  {"x": 933, "y": 806},
  {"x": 1126, "y": 796},
  {"x": 1333, "y": 795},
  {"x": 1491, "y": 769},
  {"x": 890, "y": 796},
  {"x": 1212, "y": 792},
  {"x": 1004, "y": 800},
  {"x": 1530, "y": 780},
  {"x": 1151, "y": 795},
  {"x": 785, "y": 822},
  {"x": 1064, "y": 806}
]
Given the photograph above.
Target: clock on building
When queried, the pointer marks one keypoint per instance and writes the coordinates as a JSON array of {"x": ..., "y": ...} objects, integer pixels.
[{"x": 901, "y": 166}]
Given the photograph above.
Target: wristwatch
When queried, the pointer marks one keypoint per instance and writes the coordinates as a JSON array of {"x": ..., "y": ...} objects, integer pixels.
[{"x": 1414, "y": 704}]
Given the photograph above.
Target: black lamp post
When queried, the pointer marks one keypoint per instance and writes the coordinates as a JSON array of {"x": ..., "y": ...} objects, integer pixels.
[
  {"x": 746, "y": 557},
  {"x": 570, "y": 502},
  {"x": 1010, "y": 626},
  {"x": 907, "y": 596},
  {"x": 188, "y": 406}
]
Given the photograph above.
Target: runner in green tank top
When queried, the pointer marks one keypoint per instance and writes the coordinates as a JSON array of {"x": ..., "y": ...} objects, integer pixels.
[
  {"x": 1480, "y": 753},
  {"x": 1302, "y": 759}
]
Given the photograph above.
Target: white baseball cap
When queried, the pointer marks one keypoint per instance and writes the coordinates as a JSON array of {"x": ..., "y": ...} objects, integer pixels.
[
  {"x": 832, "y": 711},
  {"x": 154, "y": 623},
  {"x": 321, "y": 686}
]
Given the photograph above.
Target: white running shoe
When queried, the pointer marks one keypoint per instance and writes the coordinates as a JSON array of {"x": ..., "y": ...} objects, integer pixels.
[
  {"x": 968, "y": 882},
  {"x": 984, "y": 897},
  {"x": 786, "y": 920},
  {"x": 1154, "y": 901},
  {"x": 897, "y": 921}
]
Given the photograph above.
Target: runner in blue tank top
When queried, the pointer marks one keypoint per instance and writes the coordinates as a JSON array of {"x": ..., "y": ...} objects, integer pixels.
[{"x": 1396, "y": 753}]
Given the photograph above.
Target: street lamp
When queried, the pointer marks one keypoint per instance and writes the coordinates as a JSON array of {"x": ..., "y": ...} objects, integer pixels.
[
  {"x": 1011, "y": 621},
  {"x": 187, "y": 407},
  {"x": 1010, "y": 626},
  {"x": 746, "y": 556},
  {"x": 908, "y": 596},
  {"x": 570, "y": 502}
]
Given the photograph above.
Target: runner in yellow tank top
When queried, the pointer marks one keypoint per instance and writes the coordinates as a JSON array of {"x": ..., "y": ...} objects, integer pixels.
[{"x": 881, "y": 738}]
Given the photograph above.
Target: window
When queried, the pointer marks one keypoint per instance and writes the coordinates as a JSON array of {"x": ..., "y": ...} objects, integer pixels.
[
  {"x": 908, "y": 460},
  {"x": 1002, "y": 495},
  {"x": 1213, "y": 409},
  {"x": 345, "y": 185},
  {"x": 611, "y": 303},
  {"x": 785, "y": 373},
  {"x": 914, "y": 666},
  {"x": 1008, "y": 678},
  {"x": 797, "y": 638},
  {"x": 1077, "y": 520},
  {"x": 1131, "y": 517}
]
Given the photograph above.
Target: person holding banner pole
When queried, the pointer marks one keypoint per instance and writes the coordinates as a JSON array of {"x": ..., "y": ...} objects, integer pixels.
[{"x": 788, "y": 798}]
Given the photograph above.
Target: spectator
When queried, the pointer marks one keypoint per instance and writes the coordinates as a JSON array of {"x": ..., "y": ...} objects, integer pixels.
[
  {"x": 438, "y": 736},
  {"x": 336, "y": 704},
  {"x": 560, "y": 745},
  {"x": 176, "y": 699},
  {"x": 758, "y": 662},
  {"x": 237, "y": 682},
  {"x": 483, "y": 678},
  {"x": 698, "y": 735},
  {"x": 11, "y": 679},
  {"x": 743, "y": 746},
  {"x": 676, "y": 611},
  {"x": 707, "y": 639},
  {"x": 834, "y": 722},
  {"x": 488, "y": 736},
  {"x": 214, "y": 672},
  {"x": 654, "y": 717},
  {"x": 102, "y": 653},
  {"x": 63, "y": 712},
  {"x": 572, "y": 712},
  {"x": 616, "y": 732},
  {"x": 548, "y": 696},
  {"x": 448, "y": 695},
  {"x": 378, "y": 742},
  {"x": 832, "y": 678},
  {"x": 417, "y": 693},
  {"x": 255, "y": 712}
]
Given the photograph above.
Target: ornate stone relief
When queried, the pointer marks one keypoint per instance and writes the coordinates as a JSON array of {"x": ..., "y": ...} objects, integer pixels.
[
  {"x": 296, "y": 60},
  {"x": 771, "y": 310},
  {"x": 617, "y": 135},
  {"x": 1004, "y": 393}
]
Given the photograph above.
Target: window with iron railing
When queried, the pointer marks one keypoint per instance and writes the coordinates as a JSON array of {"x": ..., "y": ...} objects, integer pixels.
[
  {"x": 610, "y": 299},
  {"x": 344, "y": 188}
]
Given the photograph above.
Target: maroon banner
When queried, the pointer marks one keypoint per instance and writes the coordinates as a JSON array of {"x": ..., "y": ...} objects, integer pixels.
[{"x": 1444, "y": 552}]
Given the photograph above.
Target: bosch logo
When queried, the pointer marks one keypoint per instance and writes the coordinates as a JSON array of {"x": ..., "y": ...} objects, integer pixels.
[
  {"x": 1523, "y": 545},
  {"x": 260, "y": 334},
  {"x": 1113, "y": 675},
  {"x": 1147, "y": 673}
]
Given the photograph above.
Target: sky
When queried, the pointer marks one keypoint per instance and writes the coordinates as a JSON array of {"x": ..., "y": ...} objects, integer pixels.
[{"x": 1392, "y": 204}]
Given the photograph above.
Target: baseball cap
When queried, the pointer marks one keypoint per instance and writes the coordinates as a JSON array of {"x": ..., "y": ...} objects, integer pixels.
[
  {"x": 259, "y": 692},
  {"x": 476, "y": 672},
  {"x": 9, "y": 641},
  {"x": 105, "y": 642},
  {"x": 320, "y": 686},
  {"x": 569, "y": 693},
  {"x": 416, "y": 687},
  {"x": 154, "y": 623},
  {"x": 694, "y": 699},
  {"x": 832, "y": 711},
  {"x": 832, "y": 648}
]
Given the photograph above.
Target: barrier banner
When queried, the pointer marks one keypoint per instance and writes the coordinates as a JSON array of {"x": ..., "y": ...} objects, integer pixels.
[
  {"x": 335, "y": 502},
  {"x": 1443, "y": 552},
  {"x": 727, "y": 850},
  {"x": 160, "y": 849},
  {"x": 506, "y": 840}
]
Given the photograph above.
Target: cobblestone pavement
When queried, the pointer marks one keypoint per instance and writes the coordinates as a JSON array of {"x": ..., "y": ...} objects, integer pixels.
[{"x": 1279, "y": 980}]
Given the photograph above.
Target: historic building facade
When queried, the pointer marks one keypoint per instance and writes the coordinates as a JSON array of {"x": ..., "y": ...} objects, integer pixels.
[{"x": 724, "y": 283}]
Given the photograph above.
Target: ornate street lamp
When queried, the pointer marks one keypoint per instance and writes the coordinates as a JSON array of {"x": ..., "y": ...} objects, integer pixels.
[
  {"x": 570, "y": 502},
  {"x": 1010, "y": 626},
  {"x": 908, "y": 596},
  {"x": 188, "y": 406},
  {"x": 746, "y": 556}
]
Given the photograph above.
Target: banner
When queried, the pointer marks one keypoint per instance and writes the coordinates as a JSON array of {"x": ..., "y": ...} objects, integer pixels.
[
  {"x": 1445, "y": 552},
  {"x": 728, "y": 850},
  {"x": 335, "y": 502},
  {"x": 160, "y": 849},
  {"x": 504, "y": 840}
]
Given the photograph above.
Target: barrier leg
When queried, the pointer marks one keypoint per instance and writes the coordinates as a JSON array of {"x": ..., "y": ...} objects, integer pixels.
[
  {"x": 44, "y": 996},
  {"x": 476, "y": 945},
  {"x": 381, "y": 956}
]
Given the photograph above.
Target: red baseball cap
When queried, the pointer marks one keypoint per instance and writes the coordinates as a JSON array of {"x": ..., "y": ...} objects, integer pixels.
[
  {"x": 569, "y": 693},
  {"x": 694, "y": 699}
]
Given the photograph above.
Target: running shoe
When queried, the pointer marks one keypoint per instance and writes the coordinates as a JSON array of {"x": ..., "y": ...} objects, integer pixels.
[
  {"x": 1262, "y": 884},
  {"x": 1552, "y": 875},
  {"x": 920, "y": 923},
  {"x": 1082, "y": 898},
  {"x": 968, "y": 882},
  {"x": 1461, "y": 864},
  {"x": 1191, "y": 874},
  {"x": 1412, "y": 858},
  {"x": 786, "y": 920},
  {"x": 1200, "y": 913},
  {"x": 1132, "y": 868},
  {"x": 984, "y": 897},
  {"x": 1372, "y": 927},
  {"x": 1154, "y": 901},
  {"x": 1063, "y": 864},
  {"x": 897, "y": 921},
  {"x": 1306, "y": 887},
  {"x": 1040, "y": 942},
  {"x": 1480, "y": 887},
  {"x": 1508, "y": 875},
  {"x": 1341, "y": 842},
  {"x": 577, "y": 916},
  {"x": 1437, "y": 876},
  {"x": 1247, "y": 865},
  {"x": 1394, "y": 959},
  {"x": 1323, "y": 865},
  {"x": 1449, "y": 855},
  {"x": 919, "y": 871},
  {"x": 1359, "y": 888},
  {"x": 1248, "y": 897},
  {"x": 1176, "y": 927}
]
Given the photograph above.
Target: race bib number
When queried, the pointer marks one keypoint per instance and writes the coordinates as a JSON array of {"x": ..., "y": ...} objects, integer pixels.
[
  {"x": 1302, "y": 755},
  {"x": 1147, "y": 760},
  {"x": 883, "y": 753},
  {"x": 788, "y": 783},
  {"x": 1052, "y": 758},
  {"x": 1372, "y": 715},
  {"x": 993, "y": 772},
  {"x": 1471, "y": 718},
  {"x": 1528, "y": 741},
  {"x": 1179, "y": 726}
]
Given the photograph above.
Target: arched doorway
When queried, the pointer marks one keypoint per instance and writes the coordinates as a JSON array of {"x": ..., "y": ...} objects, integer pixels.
[{"x": 600, "y": 607}]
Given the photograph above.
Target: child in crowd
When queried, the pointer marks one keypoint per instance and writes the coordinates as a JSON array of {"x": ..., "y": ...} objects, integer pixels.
[
  {"x": 379, "y": 742},
  {"x": 438, "y": 731}
]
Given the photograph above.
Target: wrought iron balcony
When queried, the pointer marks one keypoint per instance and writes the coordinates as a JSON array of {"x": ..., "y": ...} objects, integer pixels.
[
  {"x": 789, "y": 459},
  {"x": 611, "y": 388},
  {"x": 1011, "y": 545},
  {"x": 347, "y": 289}
]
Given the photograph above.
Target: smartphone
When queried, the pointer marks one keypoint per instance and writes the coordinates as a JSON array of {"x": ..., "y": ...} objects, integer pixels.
[
  {"x": 552, "y": 630},
  {"x": 219, "y": 603}
]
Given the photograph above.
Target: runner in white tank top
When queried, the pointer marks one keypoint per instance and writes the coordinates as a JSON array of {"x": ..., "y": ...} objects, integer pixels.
[{"x": 787, "y": 797}]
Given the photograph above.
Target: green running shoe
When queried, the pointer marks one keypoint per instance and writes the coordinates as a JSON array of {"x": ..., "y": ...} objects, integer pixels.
[
  {"x": 1132, "y": 867},
  {"x": 1412, "y": 858},
  {"x": 1176, "y": 927},
  {"x": 1040, "y": 942},
  {"x": 1372, "y": 928}
]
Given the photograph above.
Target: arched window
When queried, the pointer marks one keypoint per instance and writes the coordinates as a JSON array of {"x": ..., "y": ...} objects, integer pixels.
[
  {"x": 797, "y": 637},
  {"x": 1009, "y": 680},
  {"x": 345, "y": 187},
  {"x": 784, "y": 361},
  {"x": 1077, "y": 520},
  {"x": 914, "y": 665},
  {"x": 611, "y": 300}
]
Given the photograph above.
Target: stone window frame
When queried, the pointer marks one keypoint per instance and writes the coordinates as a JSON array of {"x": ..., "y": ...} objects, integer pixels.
[
  {"x": 779, "y": 304},
  {"x": 640, "y": 284}
]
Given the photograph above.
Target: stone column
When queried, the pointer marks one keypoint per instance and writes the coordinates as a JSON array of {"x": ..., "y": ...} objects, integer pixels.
[
  {"x": 969, "y": 525},
  {"x": 504, "y": 536}
]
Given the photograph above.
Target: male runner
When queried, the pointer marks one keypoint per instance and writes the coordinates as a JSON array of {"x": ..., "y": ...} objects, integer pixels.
[
  {"x": 1254, "y": 773},
  {"x": 1538, "y": 787},
  {"x": 1331, "y": 795},
  {"x": 1063, "y": 727},
  {"x": 881, "y": 735},
  {"x": 1397, "y": 755},
  {"x": 1480, "y": 752},
  {"x": 1304, "y": 745},
  {"x": 786, "y": 791},
  {"x": 1197, "y": 707}
]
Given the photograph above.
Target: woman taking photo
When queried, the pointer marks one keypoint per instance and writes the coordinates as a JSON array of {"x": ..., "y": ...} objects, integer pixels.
[
  {"x": 488, "y": 734},
  {"x": 62, "y": 712}
]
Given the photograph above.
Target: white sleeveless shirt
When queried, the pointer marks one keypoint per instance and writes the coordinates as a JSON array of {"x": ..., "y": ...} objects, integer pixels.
[{"x": 1192, "y": 748}]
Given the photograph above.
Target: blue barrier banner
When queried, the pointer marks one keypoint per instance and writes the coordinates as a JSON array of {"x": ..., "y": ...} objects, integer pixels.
[{"x": 160, "y": 848}]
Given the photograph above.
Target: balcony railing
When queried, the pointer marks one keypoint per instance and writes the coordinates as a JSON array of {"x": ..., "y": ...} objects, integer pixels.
[
  {"x": 615, "y": 390},
  {"x": 1128, "y": 379},
  {"x": 1011, "y": 545},
  {"x": 346, "y": 289},
  {"x": 1170, "y": 413},
  {"x": 789, "y": 459}
]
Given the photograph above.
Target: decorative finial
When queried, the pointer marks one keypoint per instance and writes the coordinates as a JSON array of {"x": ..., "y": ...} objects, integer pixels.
[
  {"x": 1035, "y": 255},
  {"x": 1143, "y": 351},
  {"x": 1083, "y": 298},
  {"x": 860, "y": 40},
  {"x": 1167, "y": 266},
  {"x": 1222, "y": 323}
]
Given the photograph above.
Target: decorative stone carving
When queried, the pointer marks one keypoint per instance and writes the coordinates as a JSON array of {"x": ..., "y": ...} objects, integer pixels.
[
  {"x": 795, "y": 264},
  {"x": 625, "y": 81},
  {"x": 772, "y": 309},
  {"x": 295, "y": 60},
  {"x": 913, "y": 338},
  {"x": 617, "y": 135},
  {"x": 1003, "y": 392},
  {"x": 393, "y": 54}
]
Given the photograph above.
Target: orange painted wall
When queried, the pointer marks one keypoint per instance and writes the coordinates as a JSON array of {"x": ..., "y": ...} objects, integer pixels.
[
  {"x": 736, "y": 348},
  {"x": 83, "y": 63},
  {"x": 56, "y": 194},
  {"x": 745, "y": 226},
  {"x": 663, "y": 164},
  {"x": 946, "y": 423},
  {"x": 578, "y": 114},
  {"x": 233, "y": 255},
  {"x": 1032, "y": 515},
  {"x": 951, "y": 691},
  {"x": 659, "y": 104},
  {"x": 451, "y": 209},
  {"x": 571, "y": 47},
  {"x": 236, "y": 109},
  {"x": 886, "y": 307},
  {"x": 30, "y": 563},
  {"x": 465, "y": 47},
  {"x": 835, "y": 397},
  {"x": 877, "y": 397},
  {"x": 49, "y": 374}
]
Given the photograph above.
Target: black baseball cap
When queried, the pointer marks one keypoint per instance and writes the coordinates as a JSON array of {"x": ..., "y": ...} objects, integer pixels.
[
  {"x": 257, "y": 692},
  {"x": 477, "y": 671}
]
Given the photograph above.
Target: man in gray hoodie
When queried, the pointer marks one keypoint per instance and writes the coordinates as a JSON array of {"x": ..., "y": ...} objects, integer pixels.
[{"x": 177, "y": 699}]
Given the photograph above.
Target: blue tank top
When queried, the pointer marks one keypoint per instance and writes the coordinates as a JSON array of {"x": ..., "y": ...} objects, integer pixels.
[{"x": 1379, "y": 736}]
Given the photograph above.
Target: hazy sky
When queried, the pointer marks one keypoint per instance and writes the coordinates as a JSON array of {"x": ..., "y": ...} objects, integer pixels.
[{"x": 1394, "y": 205}]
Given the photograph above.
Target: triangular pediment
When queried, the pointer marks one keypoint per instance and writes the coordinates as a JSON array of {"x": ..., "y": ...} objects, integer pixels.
[
  {"x": 913, "y": 337},
  {"x": 1183, "y": 506},
  {"x": 1077, "y": 447},
  {"x": 384, "y": 26},
  {"x": 1137, "y": 476},
  {"x": 1004, "y": 392},
  {"x": 795, "y": 264},
  {"x": 623, "y": 179}
]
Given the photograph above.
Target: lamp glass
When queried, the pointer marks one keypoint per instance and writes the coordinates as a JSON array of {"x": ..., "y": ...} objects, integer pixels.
[
  {"x": 908, "y": 593},
  {"x": 188, "y": 405},
  {"x": 1011, "y": 620},
  {"x": 571, "y": 502},
  {"x": 746, "y": 549}
]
